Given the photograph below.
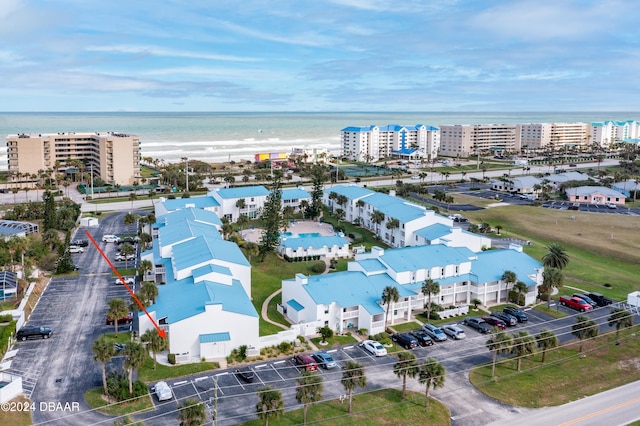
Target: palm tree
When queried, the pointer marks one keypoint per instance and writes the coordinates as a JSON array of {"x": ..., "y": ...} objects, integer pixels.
[
  {"x": 308, "y": 390},
  {"x": 377, "y": 217},
  {"x": 551, "y": 278},
  {"x": 252, "y": 249},
  {"x": 130, "y": 219},
  {"x": 270, "y": 404},
  {"x": 155, "y": 343},
  {"x": 509, "y": 277},
  {"x": 353, "y": 377},
  {"x": 430, "y": 288},
  {"x": 135, "y": 355},
  {"x": 127, "y": 250},
  {"x": 620, "y": 318},
  {"x": 148, "y": 293},
  {"x": 520, "y": 288},
  {"x": 192, "y": 413},
  {"x": 406, "y": 366},
  {"x": 389, "y": 295},
  {"x": 117, "y": 309},
  {"x": 103, "y": 351},
  {"x": 584, "y": 328},
  {"x": 546, "y": 340},
  {"x": 557, "y": 257},
  {"x": 523, "y": 345},
  {"x": 431, "y": 374},
  {"x": 500, "y": 343}
]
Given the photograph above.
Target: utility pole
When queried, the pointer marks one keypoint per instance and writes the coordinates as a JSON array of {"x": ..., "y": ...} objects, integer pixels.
[
  {"x": 186, "y": 172},
  {"x": 215, "y": 401}
]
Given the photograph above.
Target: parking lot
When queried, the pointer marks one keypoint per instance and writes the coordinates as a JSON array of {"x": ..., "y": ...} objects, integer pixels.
[
  {"x": 236, "y": 398},
  {"x": 61, "y": 368}
]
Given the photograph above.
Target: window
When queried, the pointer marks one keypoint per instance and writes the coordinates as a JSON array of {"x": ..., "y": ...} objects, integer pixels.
[{"x": 442, "y": 272}]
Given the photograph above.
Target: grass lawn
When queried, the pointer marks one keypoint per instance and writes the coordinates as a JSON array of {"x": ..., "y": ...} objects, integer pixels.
[
  {"x": 335, "y": 340},
  {"x": 381, "y": 407},
  {"x": 94, "y": 398},
  {"x": 405, "y": 327},
  {"x": 266, "y": 278},
  {"x": 16, "y": 418},
  {"x": 147, "y": 374},
  {"x": 602, "y": 248},
  {"x": 555, "y": 383},
  {"x": 553, "y": 311}
]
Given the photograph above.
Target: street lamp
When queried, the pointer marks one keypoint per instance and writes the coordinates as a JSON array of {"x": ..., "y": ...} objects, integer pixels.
[{"x": 186, "y": 171}]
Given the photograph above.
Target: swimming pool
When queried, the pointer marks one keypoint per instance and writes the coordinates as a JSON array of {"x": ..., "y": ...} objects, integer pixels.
[{"x": 303, "y": 235}]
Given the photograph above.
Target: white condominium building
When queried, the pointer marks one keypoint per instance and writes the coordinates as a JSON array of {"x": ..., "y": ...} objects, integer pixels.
[
  {"x": 465, "y": 140},
  {"x": 605, "y": 133},
  {"x": 551, "y": 135},
  {"x": 114, "y": 157},
  {"x": 372, "y": 143}
]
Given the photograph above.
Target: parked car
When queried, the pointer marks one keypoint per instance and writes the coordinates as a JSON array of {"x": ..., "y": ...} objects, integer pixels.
[
  {"x": 521, "y": 316},
  {"x": 246, "y": 374},
  {"x": 162, "y": 391},
  {"x": 478, "y": 324},
  {"x": 611, "y": 206},
  {"x": 405, "y": 340},
  {"x": 575, "y": 303},
  {"x": 422, "y": 337},
  {"x": 324, "y": 360},
  {"x": 586, "y": 299},
  {"x": 30, "y": 332},
  {"x": 110, "y": 238},
  {"x": 80, "y": 243},
  {"x": 121, "y": 257},
  {"x": 435, "y": 332},
  {"x": 305, "y": 361},
  {"x": 600, "y": 299},
  {"x": 130, "y": 240},
  {"x": 124, "y": 320},
  {"x": 127, "y": 280},
  {"x": 495, "y": 322},
  {"x": 454, "y": 331},
  {"x": 76, "y": 249},
  {"x": 508, "y": 319},
  {"x": 374, "y": 348}
]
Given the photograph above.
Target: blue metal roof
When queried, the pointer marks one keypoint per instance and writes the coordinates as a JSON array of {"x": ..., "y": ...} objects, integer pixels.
[
  {"x": 243, "y": 191},
  {"x": 433, "y": 232},
  {"x": 405, "y": 151},
  {"x": 422, "y": 257},
  {"x": 189, "y": 213},
  {"x": 169, "y": 235},
  {"x": 203, "y": 249},
  {"x": 491, "y": 264},
  {"x": 208, "y": 269},
  {"x": 215, "y": 337},
  {"x": 357, "y": 129},
  {"x": 395, "y": 207},
  {"x": 295, "y": 305},
  {"x": 371, "y": 265},
  {"x": 197, "y": 202},
  {"x": 295, "y": 194},
  {"x": 352, "y": 192},
  {"x": 345, "y": 288},
  {"x": 315, "y": 242}
]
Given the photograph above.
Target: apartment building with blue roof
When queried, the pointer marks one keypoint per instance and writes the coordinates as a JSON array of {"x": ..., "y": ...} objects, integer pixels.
[
  {"x": 353, "y": 299},
  {"x": 205, "y": 202},
  {"x": 204, "y": 287},
  {"x": 325, "y": 246},
  {"x": 404, "y": 222},
  {"x": 372, "y": 143}
]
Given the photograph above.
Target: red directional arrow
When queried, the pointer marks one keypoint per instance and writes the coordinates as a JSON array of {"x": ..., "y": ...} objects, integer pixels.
[{"x": 161, "y": 332}]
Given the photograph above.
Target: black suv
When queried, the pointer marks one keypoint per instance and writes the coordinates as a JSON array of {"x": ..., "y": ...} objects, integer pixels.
[
  {"x": 80, "y": 243},
  {"x": 521, "y": 316},
  {"x": 600, "y": 299},
  {"x": 405, "y": 340},
  {"x": 423, "y": 338},
  {"x": 28, "y": 332}
]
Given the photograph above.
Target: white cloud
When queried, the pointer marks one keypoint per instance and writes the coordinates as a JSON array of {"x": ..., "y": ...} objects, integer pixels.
[{"x": 156, "y": 51}]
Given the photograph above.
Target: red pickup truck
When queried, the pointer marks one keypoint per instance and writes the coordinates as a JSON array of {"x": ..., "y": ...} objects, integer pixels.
[{"x": 575, "y": 303}]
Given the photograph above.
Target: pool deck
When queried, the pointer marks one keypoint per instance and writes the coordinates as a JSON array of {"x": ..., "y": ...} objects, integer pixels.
[{"x": 295, "y": 227}]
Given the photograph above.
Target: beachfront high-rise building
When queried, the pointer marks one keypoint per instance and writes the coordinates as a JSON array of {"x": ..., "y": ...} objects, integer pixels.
[
  {"x": 605, "y": 133},
  {"x": 372, "y": 143},
  {"x": 465, "y": 140},
  {"x": 114, "y": 157}
]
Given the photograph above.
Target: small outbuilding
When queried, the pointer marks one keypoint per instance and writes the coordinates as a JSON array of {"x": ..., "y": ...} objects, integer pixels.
[{"x": 89, "y": 222}]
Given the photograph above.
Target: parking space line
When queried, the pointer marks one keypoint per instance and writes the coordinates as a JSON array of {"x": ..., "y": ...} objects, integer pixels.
[
  {"x": 276, "y": 370},
  {"x": 196, "y": 389},
  {"x": 183, "y": 382}
]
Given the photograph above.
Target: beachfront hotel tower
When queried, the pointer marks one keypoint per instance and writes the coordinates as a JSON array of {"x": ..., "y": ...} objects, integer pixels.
[
  {"x": 114, "y": 157},
  {"x": 372, "y": 143},
  {"x": 465, "y": 140}
]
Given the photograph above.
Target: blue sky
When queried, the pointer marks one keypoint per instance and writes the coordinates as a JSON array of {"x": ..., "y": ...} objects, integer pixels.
[{"x": 318, "y": 55}]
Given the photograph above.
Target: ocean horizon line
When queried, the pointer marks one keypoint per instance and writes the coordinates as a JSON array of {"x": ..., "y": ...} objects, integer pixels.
[{"x": 510, "y": 112}]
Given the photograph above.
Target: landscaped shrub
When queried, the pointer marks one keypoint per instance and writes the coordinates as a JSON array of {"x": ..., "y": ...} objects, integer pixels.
[
  {"x": 172, "y": 359},
  {"x": 6, "y": 318},
  {"x": 318, "y": 267},
  {"x": 7, "y": 332},
  {"x": 118, "y": 387},
  {"x": 284, "y": 347}
]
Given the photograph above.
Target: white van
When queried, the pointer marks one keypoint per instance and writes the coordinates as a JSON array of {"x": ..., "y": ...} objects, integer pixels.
[
  {"x": 110, "y": 239},
  {"x": 163, "y": 391}
]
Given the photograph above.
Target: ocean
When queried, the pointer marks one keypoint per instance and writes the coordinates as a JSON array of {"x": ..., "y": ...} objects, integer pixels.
[{"x": 218, "y": 137}]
